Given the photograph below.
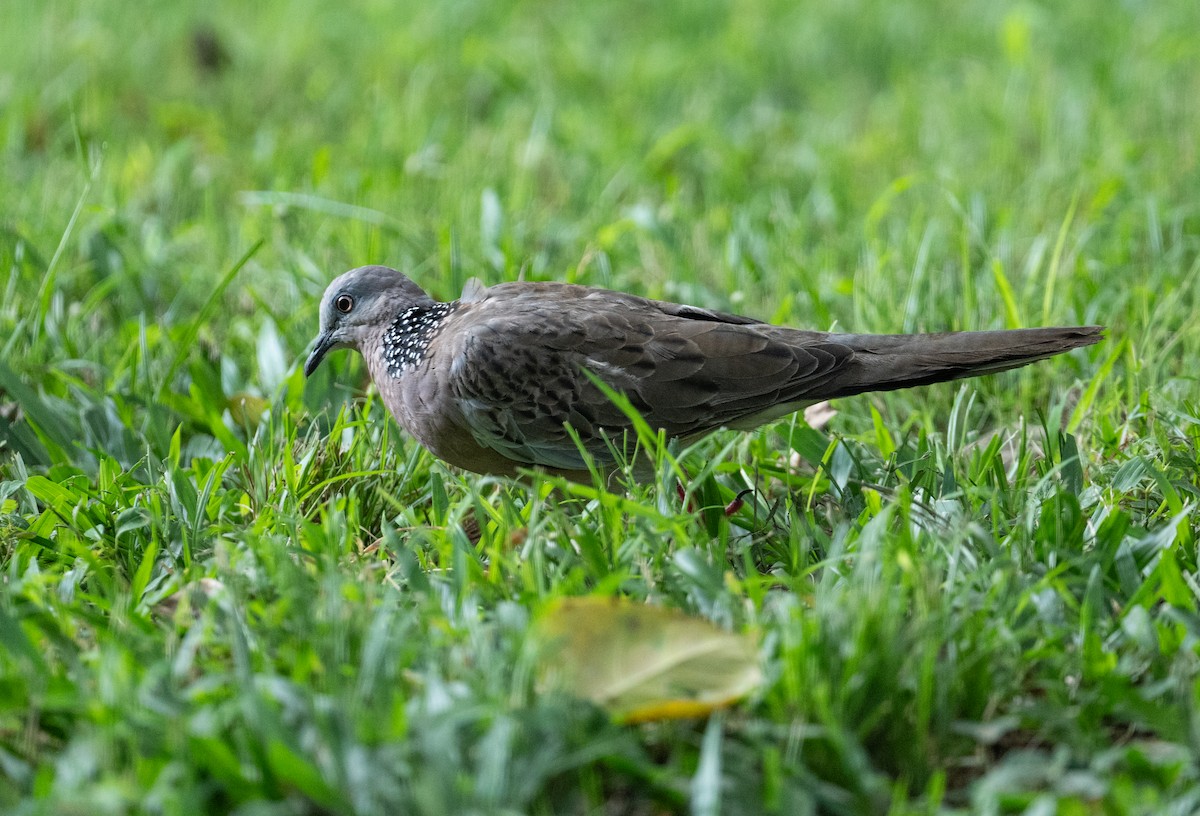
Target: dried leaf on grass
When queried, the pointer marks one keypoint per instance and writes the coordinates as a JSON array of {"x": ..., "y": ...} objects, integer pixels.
[{"x": 644, "y": 662}]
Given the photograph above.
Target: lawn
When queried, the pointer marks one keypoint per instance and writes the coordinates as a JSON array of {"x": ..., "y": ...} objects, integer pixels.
[{"x": 226, "y": 589}]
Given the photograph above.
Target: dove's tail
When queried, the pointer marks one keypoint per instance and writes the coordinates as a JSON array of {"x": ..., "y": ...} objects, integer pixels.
[{"x": 886, "y": 362}]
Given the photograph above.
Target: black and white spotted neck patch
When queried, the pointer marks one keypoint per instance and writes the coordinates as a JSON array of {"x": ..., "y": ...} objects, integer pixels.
[{"x": 407, "y": 339}]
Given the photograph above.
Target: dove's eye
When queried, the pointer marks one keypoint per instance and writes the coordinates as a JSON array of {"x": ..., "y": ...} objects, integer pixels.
[{"x": 344, "y": 304}]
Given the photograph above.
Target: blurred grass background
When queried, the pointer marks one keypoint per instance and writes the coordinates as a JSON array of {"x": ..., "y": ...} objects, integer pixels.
[{"x": 205, "y": 612}]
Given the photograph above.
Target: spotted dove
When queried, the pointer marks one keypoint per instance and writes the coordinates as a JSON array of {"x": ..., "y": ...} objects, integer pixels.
[{"x": 490, "y": 382}]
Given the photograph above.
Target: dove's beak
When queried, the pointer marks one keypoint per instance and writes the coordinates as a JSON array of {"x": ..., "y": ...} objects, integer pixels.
[{"x": 324, "y": 343}]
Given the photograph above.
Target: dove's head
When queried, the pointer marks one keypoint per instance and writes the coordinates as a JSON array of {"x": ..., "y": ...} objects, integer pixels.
[{"x": 359, "y": 305}]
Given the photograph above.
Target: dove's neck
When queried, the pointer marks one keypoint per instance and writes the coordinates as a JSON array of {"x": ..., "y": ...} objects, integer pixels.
[{"x": 405, "y": 342}]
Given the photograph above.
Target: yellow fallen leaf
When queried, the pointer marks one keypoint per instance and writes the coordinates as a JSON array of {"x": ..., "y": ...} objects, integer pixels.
[
  {"x": 247, "y": 410},
  {"x": 643, "y": 662}
]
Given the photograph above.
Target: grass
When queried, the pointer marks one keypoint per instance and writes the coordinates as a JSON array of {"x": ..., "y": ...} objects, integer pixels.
[{"x": 228, "y": 590}]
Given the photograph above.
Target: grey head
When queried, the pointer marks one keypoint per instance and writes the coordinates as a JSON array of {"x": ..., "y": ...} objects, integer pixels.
[{"x": 360, "y": 304}]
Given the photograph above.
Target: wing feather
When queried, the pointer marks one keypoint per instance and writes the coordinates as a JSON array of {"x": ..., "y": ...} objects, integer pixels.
[{"x": 516, "y": 376}]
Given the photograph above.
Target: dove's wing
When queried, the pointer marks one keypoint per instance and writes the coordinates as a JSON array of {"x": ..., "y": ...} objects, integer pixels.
[{"x": 517, "y": 373}]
